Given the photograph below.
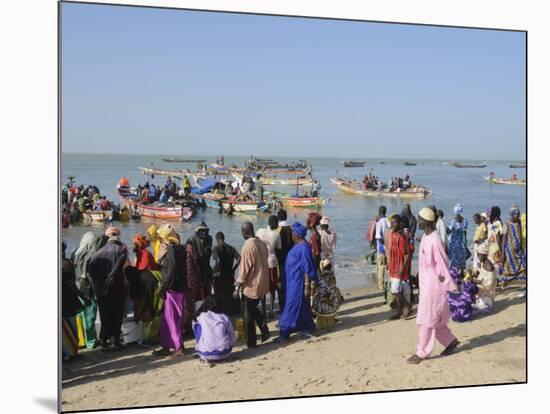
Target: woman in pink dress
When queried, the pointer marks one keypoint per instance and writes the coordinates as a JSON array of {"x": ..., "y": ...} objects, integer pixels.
[{"x": 435, "y": 282}]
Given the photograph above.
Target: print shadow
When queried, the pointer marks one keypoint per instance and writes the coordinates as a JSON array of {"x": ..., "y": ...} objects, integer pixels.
[
  {"x": 492, "y": 338},
  {"x": 97, "y": 366},
  {"x": 500, "y": 305},
  {"x": 48, "y": 403}
]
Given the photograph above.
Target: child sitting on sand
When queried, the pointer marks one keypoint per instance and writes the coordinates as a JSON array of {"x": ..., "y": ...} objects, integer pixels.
[
  {"x": 486, "y": 280},
  {"x": 214, "y": 332}
]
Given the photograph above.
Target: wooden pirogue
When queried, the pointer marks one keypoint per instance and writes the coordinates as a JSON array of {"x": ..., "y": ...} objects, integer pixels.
[
  {"x": 352, "y": 188},
  {"x": 157, "y": 211}
]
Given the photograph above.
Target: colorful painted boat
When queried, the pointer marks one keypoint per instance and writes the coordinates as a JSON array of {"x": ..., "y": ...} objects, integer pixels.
[
  {"x": 211, "y": 200},
  {"x": 245, "y": 206},
  {"x": 301, "y": 202},
  {"x": 496, "y": 180},
  {"x": 155, "y": 210},
  {"x": 351, "y": 187},
  {"x": 98, "y": 215},
  {"x": 470, "y": 165}
]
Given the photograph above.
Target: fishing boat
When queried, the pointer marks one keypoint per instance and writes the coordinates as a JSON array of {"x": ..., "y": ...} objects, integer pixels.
[
  {"x": 169, "y": 173},
  {"x": 410, "y": 164},
  {"x": 129, "y": 198},
  {"x": 521, "y": 165},
  {"x": 496, "y": 180},
  {"x": 354, "y": 187},
  {"x": 212, "y": 200},
  {"x": 98, "y": 215},
  {"x": 354, "y": 164},
  {"x": 182, "y": 161},
  {"x": 276, "y": 181},
  {"x": 244, "y": 206},
  {"x": 288, "y": 200},
  {"x": 470, "y": 165}
]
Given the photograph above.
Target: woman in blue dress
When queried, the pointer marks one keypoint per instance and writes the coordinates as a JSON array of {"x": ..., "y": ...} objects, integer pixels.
[
  {"x": 458, "y": 252},
  {"x": 301, "y": 274}
]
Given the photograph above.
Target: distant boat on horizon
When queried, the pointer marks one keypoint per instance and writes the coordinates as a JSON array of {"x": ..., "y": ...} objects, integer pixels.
[
  {"x": 410, "y": 164},
  {"x": 520, "y": 165},
  {"x": 182, "y": 161},
  {"x": 470, "y": 165},
  {"x": 351, "y": 164}
]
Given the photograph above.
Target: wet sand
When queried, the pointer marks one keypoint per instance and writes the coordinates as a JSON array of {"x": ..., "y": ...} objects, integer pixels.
[{"x": 363, "y": 352}]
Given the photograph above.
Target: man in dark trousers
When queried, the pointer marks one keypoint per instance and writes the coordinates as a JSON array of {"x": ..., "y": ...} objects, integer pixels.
[
  {"x": 227, "y": 260},
  {"x": 106, "y": 270},
  {"x": 285, "y": 231},
  {"x": 253, "y": 282}
]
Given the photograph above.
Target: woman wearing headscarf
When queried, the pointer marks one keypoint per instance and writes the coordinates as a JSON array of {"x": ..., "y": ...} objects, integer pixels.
[
  {"x": 214, "y": 332},
  {"x": 513, "y": 254},
  {"x": 313, "y": 220},
  {"x": 458, "y": 253},
  {"x": 106, "y": 267},
  {"x": 172, "y": 288},
  {"x": 155, "y": 241},
  {"x": 328, "y": 240},
  {"x": 71, "y": 304},
  {"x": 435, "y": 282},
  {"x": 89, "y": 244},
  {"x": 494, "y": 235},
  {"x": 301, "y": 273},
  {"x": 144, "y": 258}
]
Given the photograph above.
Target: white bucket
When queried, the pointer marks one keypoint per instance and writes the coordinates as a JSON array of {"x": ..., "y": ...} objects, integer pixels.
[{"x": 132, "y": 332}]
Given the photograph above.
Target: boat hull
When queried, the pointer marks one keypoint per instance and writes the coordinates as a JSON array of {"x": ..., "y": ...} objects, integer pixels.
[
  {"x": 100, "y": 215},
  {"x": 348, "y": 188},
  {"x": 508, "y": 182},
  {"x": 150, "y": 211}
]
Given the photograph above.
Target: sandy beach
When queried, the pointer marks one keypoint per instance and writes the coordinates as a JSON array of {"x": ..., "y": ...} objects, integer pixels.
[{"x": 363, "y": 352}]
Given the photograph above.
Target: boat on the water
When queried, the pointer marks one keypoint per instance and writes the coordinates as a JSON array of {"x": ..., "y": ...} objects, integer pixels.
[
  {"x": 496, "y": 180},
  {"x": 98, "y": 215},
  {"x": 241, "y": 206},
  {"x": 353, "y": 164},
  {"x": 288, "y": 200},
  {"x": 470, "y": 165},
  {"x": 129, "y": 198},
  {"x": 410, "y": 164},
  {"x": 182, "y": 161},
  {"x": 354, "y": 187},
  {"x": 276, "y": 181},
  {"x": 520, "y": 165},
  {"x": 169, "y": 173}
]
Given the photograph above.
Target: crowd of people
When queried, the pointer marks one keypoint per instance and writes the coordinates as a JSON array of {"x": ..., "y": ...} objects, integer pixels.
[
  {"x": 446, "y": 288},
  {"x": 76, "y": 200},
  {"x": 165, "y": 278},
  {"x": 160, "y": 280}
]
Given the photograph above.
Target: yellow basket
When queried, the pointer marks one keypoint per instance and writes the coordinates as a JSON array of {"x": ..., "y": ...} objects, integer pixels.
[
  {"x": 239, "y": 323},
  {"x": 325, "y": 321}
]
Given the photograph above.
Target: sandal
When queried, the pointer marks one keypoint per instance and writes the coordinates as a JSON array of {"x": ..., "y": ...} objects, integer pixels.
[
  {"x": 415, "y": 359},
  {"x": 161, "y": 352},
  {"x": 450, "y": 348}
]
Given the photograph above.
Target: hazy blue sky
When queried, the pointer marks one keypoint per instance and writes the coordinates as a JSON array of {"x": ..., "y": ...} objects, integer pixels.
[{"x": 139, "y": 80}]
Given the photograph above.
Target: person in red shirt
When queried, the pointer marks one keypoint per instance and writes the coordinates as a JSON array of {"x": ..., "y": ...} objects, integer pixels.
[
  {"x": 399, "y": 266},
  {"x": 313, "y": 220},
  {"x": 144, "y": 258}
]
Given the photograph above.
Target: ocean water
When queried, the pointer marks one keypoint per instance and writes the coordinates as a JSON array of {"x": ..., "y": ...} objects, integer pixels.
[{"x": 349, "y": 213}]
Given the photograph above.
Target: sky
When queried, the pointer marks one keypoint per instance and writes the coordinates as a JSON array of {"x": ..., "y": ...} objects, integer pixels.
[{"x": 156, "y": 81}]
